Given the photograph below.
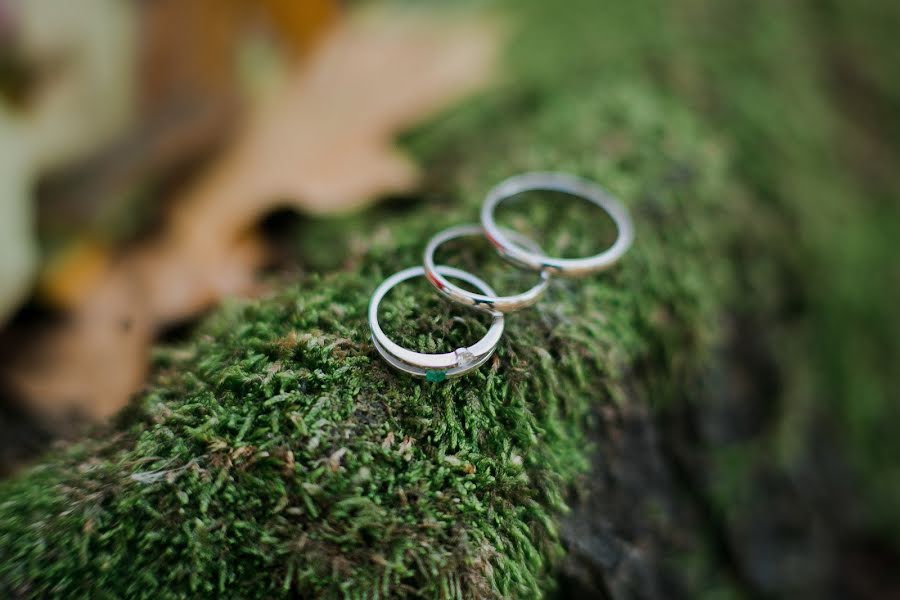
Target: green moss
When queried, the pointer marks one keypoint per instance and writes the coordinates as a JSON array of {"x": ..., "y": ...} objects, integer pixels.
[{"x": 276, "y": 452}]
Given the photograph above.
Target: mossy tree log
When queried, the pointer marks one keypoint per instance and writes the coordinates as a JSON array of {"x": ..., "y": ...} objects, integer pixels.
[{"x": 275, "y": 454}]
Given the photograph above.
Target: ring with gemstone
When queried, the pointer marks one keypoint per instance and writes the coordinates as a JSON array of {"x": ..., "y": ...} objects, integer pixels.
[
  {"x": 485, "y": 302},
  {"x": 434, "y": 367},
  {"x": 568, "y": 184}
]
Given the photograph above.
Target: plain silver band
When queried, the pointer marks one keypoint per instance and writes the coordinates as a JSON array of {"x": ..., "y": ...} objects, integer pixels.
[
  {"x": 450, "y": 364},
  {"x": 557, "y": 182},
  {"x": 484, "y": 302}
]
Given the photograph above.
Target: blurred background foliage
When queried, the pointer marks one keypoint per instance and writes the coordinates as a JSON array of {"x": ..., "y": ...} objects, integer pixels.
[{"x": 805, "y": 96}]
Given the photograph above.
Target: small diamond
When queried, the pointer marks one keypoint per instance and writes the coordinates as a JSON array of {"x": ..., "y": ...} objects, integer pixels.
[
  {"x": 464, "y": 357},
  {"x": 436, "y": 376}
]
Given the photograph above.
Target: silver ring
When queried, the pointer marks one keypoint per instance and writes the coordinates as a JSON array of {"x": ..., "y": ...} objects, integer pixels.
[
  {"x": 557, "y": 182},
  {"x": 434, "y": 367},
  {"x": 489, "y": 303}
]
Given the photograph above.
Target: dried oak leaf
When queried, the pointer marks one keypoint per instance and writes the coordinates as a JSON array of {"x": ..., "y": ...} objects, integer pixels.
[{"x": 323, "y": 143}]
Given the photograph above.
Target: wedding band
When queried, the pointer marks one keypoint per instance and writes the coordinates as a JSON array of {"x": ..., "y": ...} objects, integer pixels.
[
  {"x": 485, "y": 302},
  {"x": 556, "y": 182},
  {"x": 434, "y": 367}
]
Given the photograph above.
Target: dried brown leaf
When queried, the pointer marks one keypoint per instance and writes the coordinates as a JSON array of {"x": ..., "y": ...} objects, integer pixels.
[{"x": 324, "y": 143}]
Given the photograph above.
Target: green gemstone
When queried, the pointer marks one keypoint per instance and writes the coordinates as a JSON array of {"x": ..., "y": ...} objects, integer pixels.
[{"x": 435, "y": 376}]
